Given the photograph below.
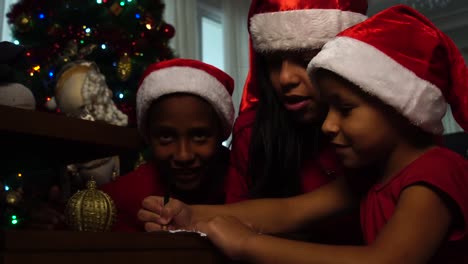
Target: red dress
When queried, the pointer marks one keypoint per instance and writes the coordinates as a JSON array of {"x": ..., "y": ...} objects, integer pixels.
[
  {"x": 314, "y": 174},
  {"x": 439, "y": 168},
  {"x": 128, "y": 192}
]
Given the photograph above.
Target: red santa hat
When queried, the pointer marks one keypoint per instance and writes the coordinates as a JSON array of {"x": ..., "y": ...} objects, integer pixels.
[
  {"x": 400, "y": 57},
  {"x": 186, "y": 76},
  {"x": 295, "y": 25}
]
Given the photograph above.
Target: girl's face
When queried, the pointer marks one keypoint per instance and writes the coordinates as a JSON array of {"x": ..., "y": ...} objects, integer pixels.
[
  {"x": 361, "y": 129},
  {"x": 185, "y": 134},
  {"x": 289, "y": 78}
]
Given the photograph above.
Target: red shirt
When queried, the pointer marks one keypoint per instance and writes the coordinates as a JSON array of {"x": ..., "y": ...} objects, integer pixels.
[
  {"x": 128, "y": 192},
  {"x": 314, "y": 174},
  {"x": 439, "y": 168}
]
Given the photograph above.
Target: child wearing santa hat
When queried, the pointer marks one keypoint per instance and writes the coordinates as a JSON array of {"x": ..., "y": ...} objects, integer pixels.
[
  {"x": 184, "y": 112},
  {"x": 277, "y": 148},
  {"x": 388, "y": 81}
]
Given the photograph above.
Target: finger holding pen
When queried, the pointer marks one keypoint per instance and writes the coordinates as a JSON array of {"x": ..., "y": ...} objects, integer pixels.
[{"x": 174, "y": 214}]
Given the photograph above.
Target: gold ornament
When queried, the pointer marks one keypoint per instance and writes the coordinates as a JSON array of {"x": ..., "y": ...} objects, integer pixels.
[
  {"x": 124, "y": 67},
  {"x": 13, "y": 197},
  {"x": 90, "y": 210},
  {"x": 24, "y": 23},
  {"x": 116, "y": 9}
]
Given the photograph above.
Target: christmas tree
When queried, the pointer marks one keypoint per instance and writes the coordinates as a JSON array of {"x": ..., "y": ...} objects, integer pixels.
[{"x": 121, "y": 37}]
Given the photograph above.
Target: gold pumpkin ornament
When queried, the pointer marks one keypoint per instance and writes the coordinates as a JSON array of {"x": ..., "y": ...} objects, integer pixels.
[
  {"x": 90, "y": 210},
  {"x": 124, "y": 67}
]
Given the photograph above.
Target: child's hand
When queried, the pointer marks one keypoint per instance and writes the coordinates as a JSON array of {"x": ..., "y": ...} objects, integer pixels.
[
  {"x": 157, "y": 216},
  {"x": 229, "y": 234}
]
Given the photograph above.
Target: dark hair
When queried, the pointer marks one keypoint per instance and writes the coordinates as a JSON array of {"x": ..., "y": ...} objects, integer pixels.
[{"x": 278, "y": 144}]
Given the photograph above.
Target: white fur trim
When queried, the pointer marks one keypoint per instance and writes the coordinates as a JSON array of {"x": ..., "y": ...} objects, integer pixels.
[
  {"x": 299, "y": 29},
  {"x": 377, "y": 74},
  {"x": 180, "y": 79}
]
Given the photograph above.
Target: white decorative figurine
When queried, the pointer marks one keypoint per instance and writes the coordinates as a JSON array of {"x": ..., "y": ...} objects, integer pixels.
[{"x": 82, "y": 92}]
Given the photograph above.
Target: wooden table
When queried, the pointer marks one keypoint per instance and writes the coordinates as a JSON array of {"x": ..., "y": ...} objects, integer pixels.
[{"x": 18, "y": 247}]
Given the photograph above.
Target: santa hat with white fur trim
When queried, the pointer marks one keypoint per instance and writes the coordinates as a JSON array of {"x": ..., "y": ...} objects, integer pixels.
[
  {"x": 295, "y": 25},
  {"x": 301, "y": 24},
  {"x": 400, "y": 57},
  {"x": 186, "y": 76}
]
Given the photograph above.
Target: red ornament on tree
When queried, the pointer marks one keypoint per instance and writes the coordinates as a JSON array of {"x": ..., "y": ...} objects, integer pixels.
[{"x": 168, "y": 30}]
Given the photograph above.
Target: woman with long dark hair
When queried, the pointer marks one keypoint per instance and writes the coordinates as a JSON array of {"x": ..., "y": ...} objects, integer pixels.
[{"x": 278, "y": 149}]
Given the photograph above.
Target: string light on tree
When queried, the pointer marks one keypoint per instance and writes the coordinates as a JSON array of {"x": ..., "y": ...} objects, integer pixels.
[
  {"x": 14, "y": 220},
  {"x": 120, "y": 26}
]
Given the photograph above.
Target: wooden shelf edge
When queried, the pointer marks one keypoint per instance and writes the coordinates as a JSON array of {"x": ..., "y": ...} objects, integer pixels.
[{"x": 42, "y": 124}]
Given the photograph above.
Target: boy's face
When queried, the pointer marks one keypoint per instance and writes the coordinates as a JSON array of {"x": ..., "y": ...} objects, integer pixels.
[
  {"x": 185, "y": 134},
  {"x": 359, "y": 126}
]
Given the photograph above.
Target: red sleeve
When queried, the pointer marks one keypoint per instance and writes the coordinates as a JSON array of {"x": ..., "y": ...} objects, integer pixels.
[
  {"x": 448, "y": 172},
  {"x": 117, "y": 190},
  {"x": 123, "y": 223},
  {"x": 128, "y": 191},
  {"x": 237, "y": 181}
]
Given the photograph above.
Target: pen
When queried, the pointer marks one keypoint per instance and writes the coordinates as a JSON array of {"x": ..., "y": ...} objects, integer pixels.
[{"x": 167, "y": 196}]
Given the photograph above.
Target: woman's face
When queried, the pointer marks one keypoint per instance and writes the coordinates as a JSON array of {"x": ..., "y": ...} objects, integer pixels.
[{"x": 288, "y": 76}]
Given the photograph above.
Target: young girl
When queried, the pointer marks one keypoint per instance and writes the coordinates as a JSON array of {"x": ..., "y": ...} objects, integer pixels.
[
  {"x": 184, "y": 112},
  {"x": 277, "y": 148},
  {"x": 387, "y": 99}
]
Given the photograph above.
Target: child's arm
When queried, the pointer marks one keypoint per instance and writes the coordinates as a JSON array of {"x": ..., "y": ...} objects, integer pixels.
[
  {"x": 264, "y": 215},
  {"x": 419, "y": 225}
]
